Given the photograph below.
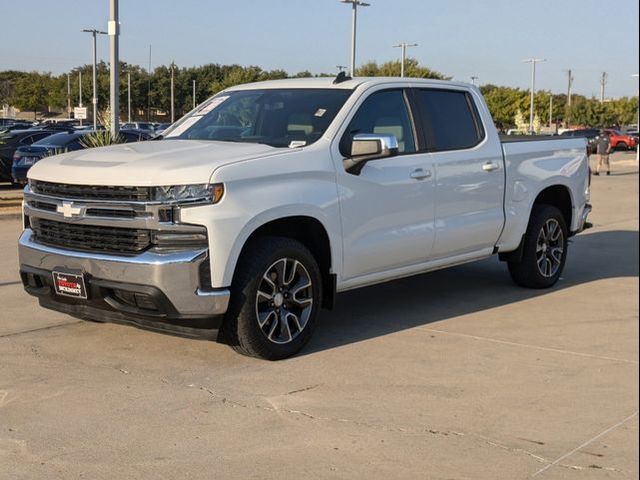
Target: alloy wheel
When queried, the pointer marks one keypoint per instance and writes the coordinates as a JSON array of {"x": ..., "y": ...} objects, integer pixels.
[
  {"x": 284, "y": 300},
  {"x": 550, "y": 248}
]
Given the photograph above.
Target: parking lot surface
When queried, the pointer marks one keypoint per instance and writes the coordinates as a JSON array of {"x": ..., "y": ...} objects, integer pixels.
[{"x": 456, "y": 374}]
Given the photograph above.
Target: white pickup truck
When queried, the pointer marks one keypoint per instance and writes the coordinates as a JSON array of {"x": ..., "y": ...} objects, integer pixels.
[{"x": 265, "y": 201}]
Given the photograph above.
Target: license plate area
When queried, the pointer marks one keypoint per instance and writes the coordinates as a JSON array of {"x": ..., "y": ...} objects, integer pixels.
[{"x": 69, "y": 284}]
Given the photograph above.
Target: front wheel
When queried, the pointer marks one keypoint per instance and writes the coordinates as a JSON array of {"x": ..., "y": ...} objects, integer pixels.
[
  {"x": 544, "y": 250},
  {"x": 275, "y": 298}
]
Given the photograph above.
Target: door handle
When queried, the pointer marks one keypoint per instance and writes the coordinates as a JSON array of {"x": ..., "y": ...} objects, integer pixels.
[
  {"x": 490, "y": 166},
  {"x": 420, "y": 174}
]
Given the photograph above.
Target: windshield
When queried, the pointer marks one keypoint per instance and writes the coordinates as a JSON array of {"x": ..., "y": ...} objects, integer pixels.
[{"x": 276, "y": 117}]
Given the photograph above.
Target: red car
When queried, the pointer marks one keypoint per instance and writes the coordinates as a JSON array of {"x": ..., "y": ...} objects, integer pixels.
[{"x": 619, "y": 140}]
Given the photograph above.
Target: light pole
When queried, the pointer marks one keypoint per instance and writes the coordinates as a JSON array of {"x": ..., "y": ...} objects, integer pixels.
[
  {"x": 194, "y": 94},
  {"x": 129, "y": 97},
  {"x": 94, "y": 100},
  {"x": 533, "y": 62},
  {"x": 68, "y": 96},
  {"x": 354, "y": 14},
  {"x": 473, "y": 79},
  {"x": 403, "y": 56},
  {"x": 635, "y": 75},
  {"x": 569, "y": 85},
  {"x": 80, "y": 91},
  {"x": 114, "y": 74},
  {"x": 172, "y": 102}
]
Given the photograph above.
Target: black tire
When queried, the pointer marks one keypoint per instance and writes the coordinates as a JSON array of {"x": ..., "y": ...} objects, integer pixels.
[
  {"x": 528, "y": 272},
  {"x": 622, "y": 146},
  {"x": 241, "y": 329}
]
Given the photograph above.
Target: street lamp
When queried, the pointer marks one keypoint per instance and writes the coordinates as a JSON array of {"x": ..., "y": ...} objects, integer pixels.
[
  {"x": 473, "y": 79},
  {"x": 354, "y": 13},
  {"x": 403, "y": 56},
  {"x": 93, "y": 33},
  {"x": 635, "y": 75},
  {"x": 533, "y": 62},
  {"x": 114, "y": 74}
]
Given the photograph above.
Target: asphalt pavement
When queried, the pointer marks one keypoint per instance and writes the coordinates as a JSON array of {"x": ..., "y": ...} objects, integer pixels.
[{"x": 457, "y": 374}]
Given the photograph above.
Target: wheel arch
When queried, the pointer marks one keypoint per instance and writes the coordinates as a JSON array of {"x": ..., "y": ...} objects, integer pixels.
[
  {"x": 309, "y": 231},
  {"x": 557, "y": 195}
]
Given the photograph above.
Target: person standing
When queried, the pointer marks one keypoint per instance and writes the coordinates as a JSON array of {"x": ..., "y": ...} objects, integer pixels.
[{"x": 603, "y": 149}]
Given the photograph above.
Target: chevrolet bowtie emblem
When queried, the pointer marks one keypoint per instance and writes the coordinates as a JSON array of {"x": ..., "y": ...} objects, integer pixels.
[{"x": 68, "y": 210}]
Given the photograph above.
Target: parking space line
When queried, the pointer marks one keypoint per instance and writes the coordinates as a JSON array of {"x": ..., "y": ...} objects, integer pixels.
[
  {"x": 50, "y": 327},
  {"x": 613, "y": 427},
  {"x": 526, "y": 345}
]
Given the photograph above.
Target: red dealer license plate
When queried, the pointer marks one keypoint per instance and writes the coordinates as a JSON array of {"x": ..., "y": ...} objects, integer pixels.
[{"x": 69, "y": 284}]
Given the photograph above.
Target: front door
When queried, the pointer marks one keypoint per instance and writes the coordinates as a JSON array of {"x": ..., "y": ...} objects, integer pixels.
[{"x": 388, "y": 208}]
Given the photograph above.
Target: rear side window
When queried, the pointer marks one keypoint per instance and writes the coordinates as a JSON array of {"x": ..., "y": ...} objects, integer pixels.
[{"x": 450, "y": 119}]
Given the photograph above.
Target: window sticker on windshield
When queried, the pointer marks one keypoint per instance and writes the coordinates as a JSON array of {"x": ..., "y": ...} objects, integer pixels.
[
  {"x": 180, "y": 129},
  {"x": 211, "y": 105},
  {"x": 320, "y": 112},
  {"x": 297, "y": 143}
]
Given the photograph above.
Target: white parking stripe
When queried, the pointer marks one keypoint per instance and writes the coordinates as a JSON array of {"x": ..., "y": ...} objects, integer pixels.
[{"x": 537, "y": 347}]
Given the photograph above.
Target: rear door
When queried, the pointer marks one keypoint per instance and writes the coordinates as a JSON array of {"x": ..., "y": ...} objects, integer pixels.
[{"x": 469, "y": 172}]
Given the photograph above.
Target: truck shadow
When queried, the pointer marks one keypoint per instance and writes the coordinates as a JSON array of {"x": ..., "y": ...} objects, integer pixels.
[{"x": 432, "y": 297}]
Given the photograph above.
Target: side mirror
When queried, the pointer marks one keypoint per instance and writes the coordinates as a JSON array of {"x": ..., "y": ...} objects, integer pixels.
[{"x": 369, "y": 146}]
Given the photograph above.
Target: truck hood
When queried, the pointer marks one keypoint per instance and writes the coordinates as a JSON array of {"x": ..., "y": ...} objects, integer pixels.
[{"x": 150, "y": 163}]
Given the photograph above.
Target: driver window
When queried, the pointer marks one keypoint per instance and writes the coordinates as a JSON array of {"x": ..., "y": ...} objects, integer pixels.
[{"x": 383, "y": 113}]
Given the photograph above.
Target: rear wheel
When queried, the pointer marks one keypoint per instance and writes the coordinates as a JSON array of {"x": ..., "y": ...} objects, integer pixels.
[
  {"x": 622, "y": 146},
  {"x": 544, "y": 250},
  {"x": 275, "y": 298}
]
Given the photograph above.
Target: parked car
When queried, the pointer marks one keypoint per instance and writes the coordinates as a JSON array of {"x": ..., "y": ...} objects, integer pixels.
[
  {"x": 10, "y": 141},
  {"x": 147, "y": 126},
  {"x": 619, "y": 140},
  {"x": 26, "y": 156},
  {"x": 591, "y": 134},
  {"x": 262, "y": 204}
]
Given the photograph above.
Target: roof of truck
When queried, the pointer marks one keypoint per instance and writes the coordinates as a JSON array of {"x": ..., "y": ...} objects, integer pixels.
[{"x": 350, "y": 84}]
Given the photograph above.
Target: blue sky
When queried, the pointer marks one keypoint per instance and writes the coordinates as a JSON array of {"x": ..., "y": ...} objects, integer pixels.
[{"x": 487, "y": 38}]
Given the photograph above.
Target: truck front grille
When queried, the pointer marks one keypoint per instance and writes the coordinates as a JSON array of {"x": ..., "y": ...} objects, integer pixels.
[
  {"x": 90, "y": 237},
  {"x": 92, "y": 192}
]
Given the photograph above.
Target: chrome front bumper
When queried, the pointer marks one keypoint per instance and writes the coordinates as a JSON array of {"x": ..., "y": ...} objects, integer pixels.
[{"x": 175, "y": 276}]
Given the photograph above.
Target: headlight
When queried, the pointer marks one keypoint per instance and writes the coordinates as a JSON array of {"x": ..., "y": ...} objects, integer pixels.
[{"x": 189, "y": 193}]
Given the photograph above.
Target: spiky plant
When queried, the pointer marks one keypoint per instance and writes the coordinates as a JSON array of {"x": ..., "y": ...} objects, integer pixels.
[{"x": 102, "y": 138}]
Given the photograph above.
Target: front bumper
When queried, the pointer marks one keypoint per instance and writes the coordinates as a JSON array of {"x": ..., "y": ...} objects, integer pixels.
[{"x": 149, "y": 287}]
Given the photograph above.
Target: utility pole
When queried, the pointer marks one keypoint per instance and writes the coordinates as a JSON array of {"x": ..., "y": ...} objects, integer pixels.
[
  {"x": 603, "y": 82},
  {"x": 129, "y": 97},
  {"x": 149, "y": 88},
  {"x": 68, "y": 96},
  {"x": 114, "y": 32},
  {"x": 403, "y": 56},
  {"x": 80, "y": 91},
  {"x": 635, "y": 75},
  {"x": 193, "y": 95},
  {"x": 569, "y": 85},
  {"x": 533, "y": 62},
  {"x": 550, "y": 109},
  {"x": 172, "y": 102},
  {"x": 94, "y": 100},
  {"x": 354, "y": 15}
]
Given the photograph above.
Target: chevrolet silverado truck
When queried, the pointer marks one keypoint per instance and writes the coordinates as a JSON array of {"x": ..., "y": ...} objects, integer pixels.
[{"x": 260, "y": 205}]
